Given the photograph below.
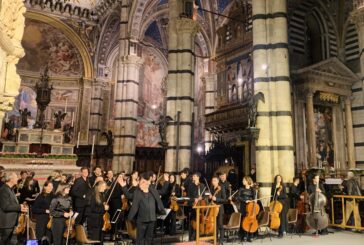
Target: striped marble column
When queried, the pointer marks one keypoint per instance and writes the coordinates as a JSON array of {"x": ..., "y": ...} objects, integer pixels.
[
  {"x": 96, "y": 106},
  {"x": 180, "y": 87},
  {"x": 274, "y": 147},
  {"x": 209, "y": 80},
  {"x": 357, "y": 107},
  {"x": 84, "y": 111},
  {"x": 126, "y": 98}
]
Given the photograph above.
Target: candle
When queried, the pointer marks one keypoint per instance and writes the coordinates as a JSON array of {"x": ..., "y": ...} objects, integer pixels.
[
  {"x": 93, "y": 145},
  {"x": 65, "y": 108},
  {"x": 78, "y": 139},
  {"x": 73, "y": 114}
]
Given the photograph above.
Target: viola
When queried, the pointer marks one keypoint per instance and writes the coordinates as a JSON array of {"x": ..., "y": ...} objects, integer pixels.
[
  {"x": 107, "y": 225},
  {"x": 70, "y": 231},
  {"x": 250, "y": 222},
  {"x": 22, "y": 223},
  {"x": 275, "y": 208}
]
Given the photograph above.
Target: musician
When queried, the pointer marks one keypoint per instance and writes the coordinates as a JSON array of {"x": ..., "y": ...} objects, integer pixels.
[
  {"x": 153, "y": 179},
  {"x": 295, "y": 192},
  {"x": 186, "y": 180},
  {"x": 228, "y": 188},
  {"x": 27, "y": 193},
  {"x": 195, "y": 192},
  {"x": 80, "y": 193},
  {"x": 35, "y": 182},
  {"x": 352, "y": 188},
  {"x": 56, "y": 178},
  {"x": 61, "y": 210},
  {"x": 218, "y": 196},
  {"x": 132, "y": 185},
  {"x": 109, "y": 178},
  {"x": 312, "y": 188},
  {"x": 40, "y": 210},
  {"x": 175, "y": 191},
  {"x": 96, "y": 173},
  {"x": 279, "y": 193},
  {"x": 245, "y": 195},
  {"x": 9, "y": 208},
  {"x": 115, "y": 202},
  {"x": 163, "y": 190},
  {"x": 21, "y": 181},
  {"x": 146, "y": 205},
  {"x": 95, "y": 212}
]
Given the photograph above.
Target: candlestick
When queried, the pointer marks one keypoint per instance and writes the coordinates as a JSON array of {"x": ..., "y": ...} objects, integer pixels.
[
  {"x": 93, "y": 145},
  {"x": 78, "y": 139},
  {"x": 65, "y": 108},
  {"x": 73, "y": 114}
]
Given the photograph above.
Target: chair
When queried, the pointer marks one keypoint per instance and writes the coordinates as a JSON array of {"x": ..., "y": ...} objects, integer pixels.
[
  {"x": 233, "y": 225},
  {"x": 81, "y": 237},
  {"x": 263, "y": 222},
  {"x": 292, "y": 218}
]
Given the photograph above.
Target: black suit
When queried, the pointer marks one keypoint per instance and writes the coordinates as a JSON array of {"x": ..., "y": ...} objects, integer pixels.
[
  {"x": 9, "y": 212},
  {"x": 220, "y": 200},
  {"x": 145, "y": 207},
  {"x": 80, "y": 193}
]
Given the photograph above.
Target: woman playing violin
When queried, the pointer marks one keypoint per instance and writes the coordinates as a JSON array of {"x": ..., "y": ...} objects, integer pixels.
[
  {"x": 96, "y": 211},
  {"x": 279, "y": 193},
  {"x": 175, "y": 191},
  {"x": 246, "y": 194},
  {"x": 218, "y": 196}
]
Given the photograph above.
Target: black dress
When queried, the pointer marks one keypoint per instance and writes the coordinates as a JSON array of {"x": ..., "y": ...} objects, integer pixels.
[
  {"x": 41, "y": 204},
  {"x": 282, "y": 216},
  {"x": 94, "y": 217}
]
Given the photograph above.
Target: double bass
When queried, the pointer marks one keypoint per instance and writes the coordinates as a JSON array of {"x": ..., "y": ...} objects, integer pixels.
[
  {"x": 317, "y": 218},
  {"x": 250, "y": 222},
  {"x": 275, "y": 208}
]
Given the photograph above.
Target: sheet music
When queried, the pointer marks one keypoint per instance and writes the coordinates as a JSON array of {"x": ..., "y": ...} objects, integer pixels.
[{"x": 164, "y": 216}]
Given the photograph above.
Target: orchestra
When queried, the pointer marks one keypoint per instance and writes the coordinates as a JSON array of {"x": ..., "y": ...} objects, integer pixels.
[{"x": 94, "y": 201}]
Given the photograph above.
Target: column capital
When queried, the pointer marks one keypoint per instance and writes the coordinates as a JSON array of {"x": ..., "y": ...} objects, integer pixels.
[
  {"x": 309, "y": 92},
  {"x": 131, "y": 59},
  {"x": 357, "y": 17},
  {"x": 186, "y": 25}
]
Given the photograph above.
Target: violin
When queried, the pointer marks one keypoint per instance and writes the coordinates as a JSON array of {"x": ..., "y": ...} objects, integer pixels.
[
  {"x": 70, "y": 231},
  {"x": 107, "y": 224},
  {"x": 275, "y": 208},
  {"x": 124, "y": 204},
  {"x": 22, "y": 223},
  {"x": 250, "y": 222},
  {"x": 173, "y": 201}
]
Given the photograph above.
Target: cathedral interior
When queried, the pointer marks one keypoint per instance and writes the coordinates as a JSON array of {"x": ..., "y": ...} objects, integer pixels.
[{"x": 275, "y": 86}]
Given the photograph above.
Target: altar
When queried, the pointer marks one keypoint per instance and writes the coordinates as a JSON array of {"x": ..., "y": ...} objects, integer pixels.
[{"x": 33, "y": 140}]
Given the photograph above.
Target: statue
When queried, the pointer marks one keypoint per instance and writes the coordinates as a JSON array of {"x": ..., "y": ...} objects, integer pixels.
[
  {"x": 110, "y": 141},
  {"x": 162, "y": 126},
  {"x": 253, "y": 108},
  {"x": 59, "y": 116},
  {"x": 24, "y": 117},
  {"x": 9, "y": 133},
  {"x": 68, "y": 130}
]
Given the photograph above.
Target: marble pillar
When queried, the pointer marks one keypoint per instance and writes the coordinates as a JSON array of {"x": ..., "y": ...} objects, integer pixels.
[
  {"x": 11, "y": 50},
  {"x": 96, "y": 107},
  {"x": 209, "y": 81},
  {"x": 349, "y": 134},
  {"x": 180, "y": 88},
  {"x": 310, "y": 131},
  {"x": 274, "y": 147}
]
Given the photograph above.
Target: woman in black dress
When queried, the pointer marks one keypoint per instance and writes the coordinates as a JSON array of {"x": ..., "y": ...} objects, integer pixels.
[
  {"x": 41, "y": 211},
  {"x": 95, "y": 212},
  {"x": 61, "y": 210},
  {"x": 28, "y": 193},
  {"x": 279, "y": 193}
]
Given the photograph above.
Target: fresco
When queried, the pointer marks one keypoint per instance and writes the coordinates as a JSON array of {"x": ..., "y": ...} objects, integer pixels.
[
  {"x": 324, "y": 137},
  {"x": 151, "y": 102},
  {"x": 46, "y": 45}
]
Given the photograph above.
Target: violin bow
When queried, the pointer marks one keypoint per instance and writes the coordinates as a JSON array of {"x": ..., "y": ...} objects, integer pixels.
[
  {"x": 207, "y": 185},
  {"x": 156, "y": 181},
  {"x": 113, "y": 188},
  {"x": 69, "y": 229}
]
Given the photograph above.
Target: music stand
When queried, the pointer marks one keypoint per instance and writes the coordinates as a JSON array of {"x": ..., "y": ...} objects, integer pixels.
[
  {"x": 163, "y": 217},
  {"x": 115, "y": 221}
]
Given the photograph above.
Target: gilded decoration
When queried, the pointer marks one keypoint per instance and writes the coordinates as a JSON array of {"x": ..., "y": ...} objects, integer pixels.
[{"x": 329, "y": 97}]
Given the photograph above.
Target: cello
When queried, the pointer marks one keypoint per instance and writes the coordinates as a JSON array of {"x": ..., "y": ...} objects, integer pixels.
[
  {"x": 250, "y": 222},
  {"x": 202, "y": 213},
  {"x": 317, "y": 218},
  {"x": 210, "y": 217},
  {"x": 173, "y": 200},
  {"x": 275, "y": 208}
]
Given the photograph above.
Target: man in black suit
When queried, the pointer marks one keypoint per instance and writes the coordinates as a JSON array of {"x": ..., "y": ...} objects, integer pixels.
[
  {"x": 80, "y": 192},
  {"x": 96, "y": 173},
  {"x": 146, "y": 205},
  {"x": 9, "y": 208}
]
